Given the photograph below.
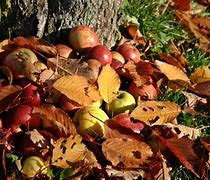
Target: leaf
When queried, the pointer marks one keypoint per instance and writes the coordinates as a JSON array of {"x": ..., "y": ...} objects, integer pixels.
[
  {"x": 155, "y": 112},
  {"x": 202, "y": 88},
  {"x": 183, "y": 5},
  {"x": 55, "y": 118},
  {"x": 4, "y": 45},
  {"x": 206, "y": 143},
  {"x": 71, "y": 67},
  {"x": 36, "y": 44},
  {"x": 171, "y": 72},
  {"x": 108, "y": 83},
  {"x": 68, "y": 151},
  {"x": 198, "y": 26},
  {"x": 127, "y": 153},
  {"x": 48, "y": 76},
  {"x": 78, "y": 89},
  {"x": 201, "y": 74},
  {"x": 189, "y": 156}
]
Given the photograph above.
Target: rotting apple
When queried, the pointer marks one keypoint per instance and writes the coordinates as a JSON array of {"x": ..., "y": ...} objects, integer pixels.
[
  {"x": 129, "y": 52},
  {"x": 32, "y": 166},
  {"x": 89, "y": 120},
  {"x": 123, "y": 103},
  {"x": 65, "y": 51},
  {"x": 15, "y": 61},
  {"x": 82, "y": 38},
  {"x": 145, "y": 92},
  {"x": 100, "y": 53}
]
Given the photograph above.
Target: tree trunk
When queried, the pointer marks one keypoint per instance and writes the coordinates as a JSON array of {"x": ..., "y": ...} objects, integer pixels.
[{"x": 52, "y": 19}]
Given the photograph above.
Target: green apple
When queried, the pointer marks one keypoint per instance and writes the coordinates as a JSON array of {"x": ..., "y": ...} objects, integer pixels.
[
  {"x": 97, "y": 103},
  {"x": 123, "y": 103},
  {"x": 89, "y": 120},
  {"x": 33, "y": 165}
]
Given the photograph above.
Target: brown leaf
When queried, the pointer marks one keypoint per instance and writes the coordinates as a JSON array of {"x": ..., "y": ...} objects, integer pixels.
[
  {"x": 171, "y": 72},
  {"x": 71, "y": 67},
  {"x": 55, "y": 118},
  {"x": 77, "y": 88},
  {"x": 171, "y": 60},
  {"x": 48, "y": 76},
  {"x": 128, "y": 153},
  {"x": 202, "y": 88},
  {"x": 68, "y": 151},
  {"x": 155, "y": 112},
  {"x": 188, "y": 155},
  {"x": 206, "y": 142},
  {"x": 36, "y": 44},
  {"x": 198, "y": 26},
  {"x": 140, "y": 72},
  {"x": 183, "y": 5},
  {"x": 108, "y": 83},
  {"x": 201, "y": 74}
]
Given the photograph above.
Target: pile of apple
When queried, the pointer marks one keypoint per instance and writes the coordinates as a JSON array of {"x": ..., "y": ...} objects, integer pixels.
[{"x": 89, "y": 120}]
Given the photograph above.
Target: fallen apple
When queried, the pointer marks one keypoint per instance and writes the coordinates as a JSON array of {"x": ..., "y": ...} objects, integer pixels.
[
  {"x": 90, "y": 120},
  {"x": 129, "y": 52},
  {"x": 146, "y": 92},
  {"x": 15, "y": 61},
  {"x": 123, "y": 103},
  {"x": 82, "y": 38},
  {"x": 33, "y": 166},
  {"x": 100, "y": 53},
  {"x": 65, "y": 51}
]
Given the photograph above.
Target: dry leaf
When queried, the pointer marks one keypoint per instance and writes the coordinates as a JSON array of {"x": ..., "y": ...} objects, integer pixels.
[
  {"x": 206, "y": 142},
  {"x": 55, "y": 118},
  {"x": 171, "y": 72},
  {"x": 183, "y": 5},
  {"x": 108, "y": 83},
  {"x": 36, "y": 44},
  {"x": 156, "y": 112},
  {"x": 68, "y": 151},
  {"x": 78, "y": 89},
  {"x": 198, "y": 26},
  {"x": 128, "y": 153},
  {"x": 202, "y": 89},
  {"x": 4, "y": 45},
  {"x": 201, "y": 74}
]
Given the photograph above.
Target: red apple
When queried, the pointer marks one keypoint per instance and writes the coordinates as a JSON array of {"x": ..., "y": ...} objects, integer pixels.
[
  {"x": 100, "y": 53},
  {"x": 82, "y": 38},
  {"x": 146, "y": 92},
  {"x": 65, "y": 51},
  {"x": 129, "y": 52},
  {"x": 31, "y": 96},
  {"x": 15, "y": 61}
]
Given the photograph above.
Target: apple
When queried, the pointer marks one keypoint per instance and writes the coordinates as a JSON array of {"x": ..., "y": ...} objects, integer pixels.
[
  {"x": 89, "y": 120},
  {"x": 100, "y": 53},
  {"x": 116, "y": 55},
  {"x": 82, "y": 38},
  {"x": 145, "y": 92},
  {"x": 15, "y": 61},
  {"x": 33, "y": 166},
  {"x": 31, "y": 96},
  {"x": 65, "y": 51},
  {"x": 123, "y": 103},
  {"x": 97, "y": 103},
  {"x": 129, "y": 52}
]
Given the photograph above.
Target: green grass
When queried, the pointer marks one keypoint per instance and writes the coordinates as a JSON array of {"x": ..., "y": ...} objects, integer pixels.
[{"x": 154, "y": 22}]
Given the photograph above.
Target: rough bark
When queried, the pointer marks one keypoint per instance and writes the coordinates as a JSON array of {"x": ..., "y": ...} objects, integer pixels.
[{"x": 52, "y": 19}]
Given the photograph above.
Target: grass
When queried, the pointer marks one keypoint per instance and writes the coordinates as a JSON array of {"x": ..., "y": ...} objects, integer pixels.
[{"x": 162, "y": 27}]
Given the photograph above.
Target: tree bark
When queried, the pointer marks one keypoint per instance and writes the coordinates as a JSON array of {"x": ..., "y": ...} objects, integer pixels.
[{"x": 52, "y": 19}]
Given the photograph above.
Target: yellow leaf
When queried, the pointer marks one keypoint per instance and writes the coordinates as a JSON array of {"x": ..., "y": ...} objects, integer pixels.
[
  {"x": 109, "y": 83},
  {"x": 201, "y": 74},
  {"x": 171, "y": 72},
  {"x": 156, "y": 112},
  {"x": 77, "y": 88},
  {"x": 3, "y": 45},
  {"x": 68, "y": 151}
]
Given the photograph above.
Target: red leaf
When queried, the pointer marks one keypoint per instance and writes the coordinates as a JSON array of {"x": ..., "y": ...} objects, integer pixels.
[{"x": 183, "y": 5}]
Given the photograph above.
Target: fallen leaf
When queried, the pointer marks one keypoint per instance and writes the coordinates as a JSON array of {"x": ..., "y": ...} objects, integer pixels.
[
  {"x": 68, "y": 151},
  {"x": 201, "y": 74},
  {"x": 35, "y": 44},
  {"x": 198, "y": 26},
  {"x": 127, "y": 153},
  {"x": 183, "y": 5},
  {"x": 78, "y": 89},
  {"x": 55, "y": 118},
  {"x": 202, "y": 88},
  {"x": 108, "y": 83},
  {"x": 48, "y": 76},
  {"x": 4, "y": 45},
  {"x": 206, "y": 142},
  {"x": 171, "y": 72},
  {"x": 155, "y": 112}
]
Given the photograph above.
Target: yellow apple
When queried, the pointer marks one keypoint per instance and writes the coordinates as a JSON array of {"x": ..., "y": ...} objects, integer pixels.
[
  {"x": 97, "y": 103},
  {"x": 89, "y": 120},
  {"x": 123, "y": 103}
]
